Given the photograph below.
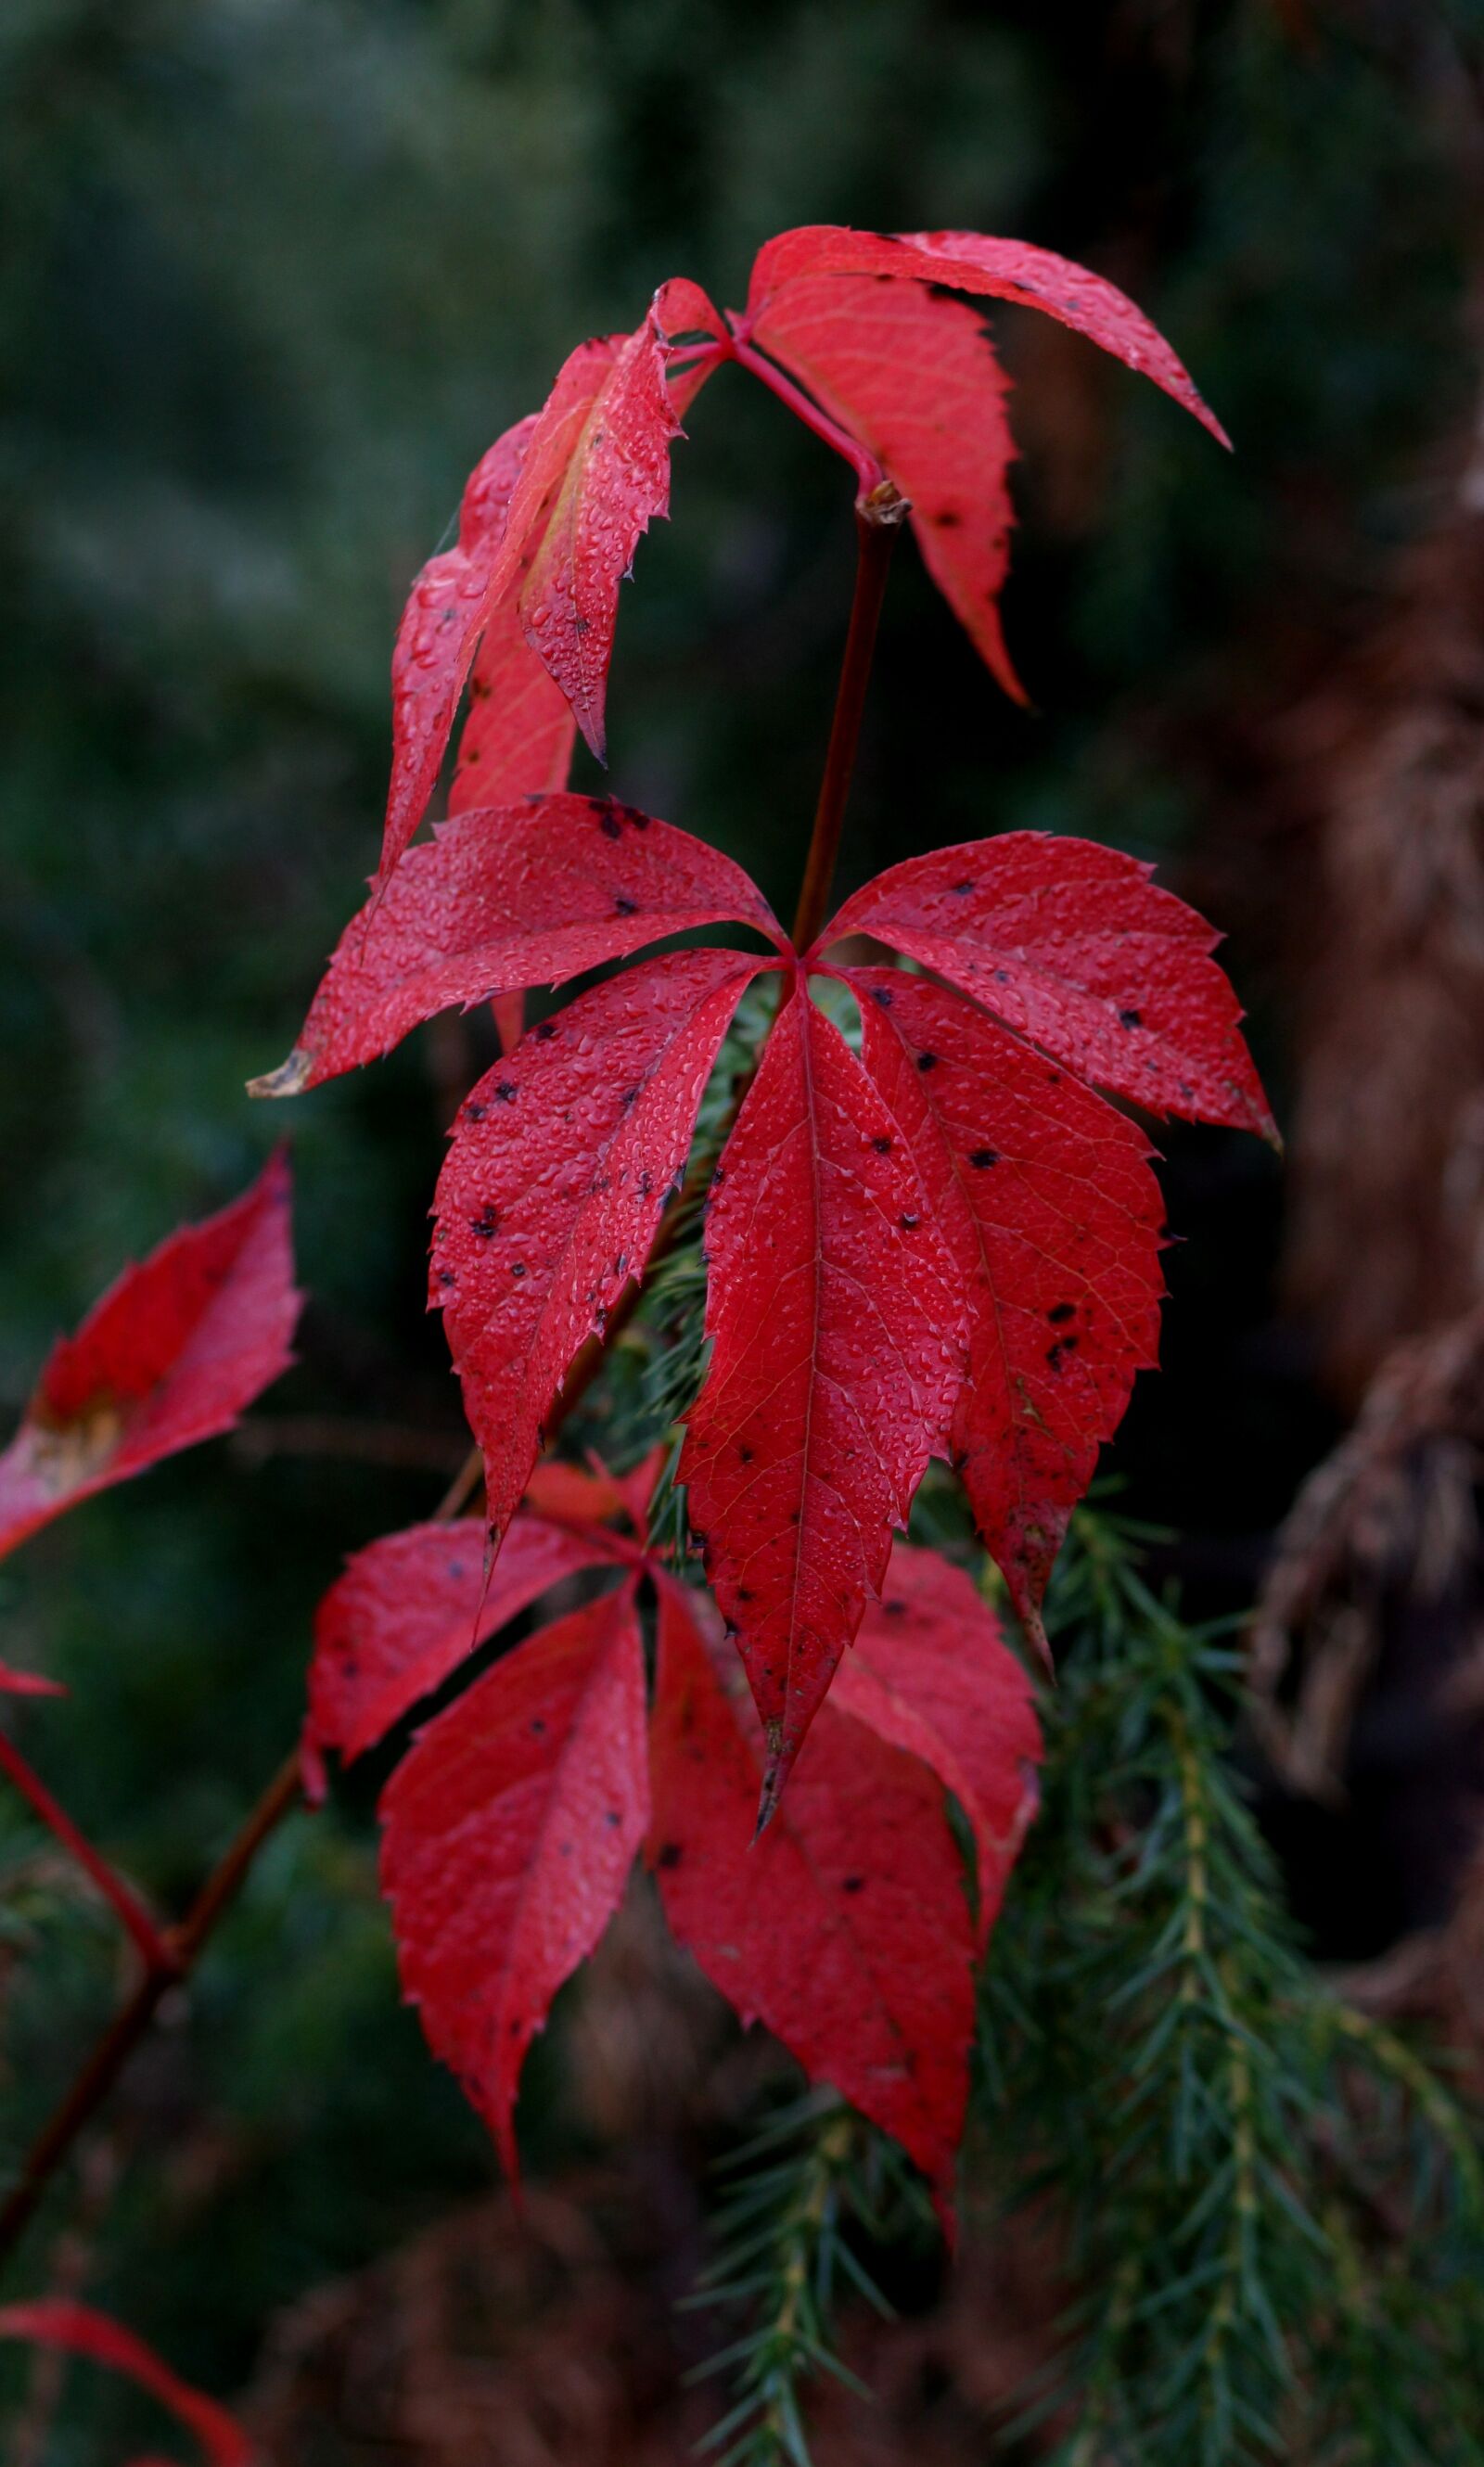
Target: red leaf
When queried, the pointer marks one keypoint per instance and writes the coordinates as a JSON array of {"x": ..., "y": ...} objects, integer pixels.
[
  {"x": 1045, "y": 1196},
  {"x": 846, "y": 1928},
  {"x": 518, "y": 738},
  {"x": 411, "y": 1606},
  {"x": 510, "y": 1831},
  {"x": 27, "y": 1683},
  {"x": 53, "y": 2322},
  {"x": 1008, "y": 269},
  {"x": 456, "y": 593},
  {"x": 530, "y": 896},
  {"x": 616, "y": 481},
  {"x": 594, "y": 1497},
  {"x": 170, "y": 1355},
  {"x": 932, "y": 1673},
  {"x": 837, "y": 1339},
  {"x": 549, "y": 1199},
  {"x": 1075, "y": 947},
  {"x": 913, "y": 378}
]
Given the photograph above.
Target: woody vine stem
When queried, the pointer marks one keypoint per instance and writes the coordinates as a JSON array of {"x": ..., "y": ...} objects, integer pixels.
[{"x": 880, "y": 511}]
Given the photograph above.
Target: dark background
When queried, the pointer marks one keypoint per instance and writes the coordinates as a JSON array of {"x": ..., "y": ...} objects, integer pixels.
[{"x": 272, "y": 274}]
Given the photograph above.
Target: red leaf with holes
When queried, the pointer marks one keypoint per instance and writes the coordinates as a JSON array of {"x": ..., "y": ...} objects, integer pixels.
[
  {"x": 54, "y": 2322},
  {"x": 932, "y": 1673},
  {"x": 531, "y": 895},
  {"x": 170, "y": 1356},
  {"x": 509, "y": 1831},
  {"x": 1074, "y": 946},
  {"x": 561, "y": 1164},
  {"x": 1007, "y": 269},
  {"x": 911, "y": 376},
  {"x": 846, "y": 1927},
  {"x": 411, "y": 1606},
  {"x": 1047, "y": 1201},
  {"x": 837, "y": 1340}
]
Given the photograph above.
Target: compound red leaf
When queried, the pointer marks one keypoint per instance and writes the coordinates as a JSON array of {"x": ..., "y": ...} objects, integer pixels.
[
  {"x": 912, "y": 376},
  {"x": 411, "y": 1606},
  {"x": 837, "y": 1337},
  {"x": 1074, "y": 946},
  {"x": 170, "y": 1356},
  {"x": 932, "y": 1673},
  {"x": 1008, "y": 269},
  {"x": 616, "y": 481},
  {"x": 457, "y": 593},
  {"x": 1046, "y": 1199},
  {"x": 55, "y": 2321},
  {"x": 532, "y": 895},
  {"x": 509, "y": 1831},
  {"x": 549, "y": 1199},
  {"x": 846, "y": 1928}
]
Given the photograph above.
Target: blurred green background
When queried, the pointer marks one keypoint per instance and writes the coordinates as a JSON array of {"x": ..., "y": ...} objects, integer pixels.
[{"x": 272, "y": 274}]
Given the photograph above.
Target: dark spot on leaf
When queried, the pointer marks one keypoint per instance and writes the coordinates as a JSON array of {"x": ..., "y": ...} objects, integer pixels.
[
  {"x": 1060, "y": 1311},
  {"x": 883, "y": 1146},
  {"x": 928, "y": 1062},
  {"x": 670, "y": 1855},
  {"x": 851, "y": 1884},
  {"x": 881, "y": 995},
  {"x": 475, "y": 1113},
  {"x": 505, "y": 1092},
  {"x": 946, "y": 520},
  {"x": 518, "y": 1267},
  {"x": 538, "y": 1728},
  {"x": 1002, "y": 976},
  {"x": 963, "y": 888},
  {"x": 611, "y": 1816},
  {"x": 625, "y": 907},
  {"x": 979, "y": 1157},
  {"x": 1130, "y": 1019},
  {"x": 610, "y": 825},
  {"x": 446, "y": 1277},
  {"x": 746, "y": 1455},
  {"x": 630, "y": 1097},
  {"x": 486, "y": 1222},
  {"x": 545, "y": 1029},
  {"x": 908, "y": 1223},
  {"x": 896, "y": 1608}
]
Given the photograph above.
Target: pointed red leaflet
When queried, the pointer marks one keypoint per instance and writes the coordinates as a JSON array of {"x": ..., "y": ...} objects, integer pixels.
[
  {"x": 616, "y": 481},
  {"x": 913, "y": 378},
  {"x": 932, "y": 1673},
  {"x": 837, "y": 1343},
  {"x": 411, "y": 1606},
  {"x": 530, "y": 896},
  {"x": 55, "y": 2321},
  {"x": 845, "y": 1928},
  {"x": 1075, "y": 947},
  {"x": 547, "y": 1205},
  {"x": 457, "y": 593},
  {"x": 518, "y": 738},
  {"x": 170, "y": 1356},
  {"x": 1008, "y": 269},
  {"x": 509, "y": 1831},
  {"x": 1047, "y": 1201}
]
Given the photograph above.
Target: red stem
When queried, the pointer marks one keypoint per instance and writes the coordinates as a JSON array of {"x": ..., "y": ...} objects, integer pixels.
[
  {"x": 878, "y": 517},
  {"x": 129, "y": 1910},
  {"x": 868, "y": 471}
]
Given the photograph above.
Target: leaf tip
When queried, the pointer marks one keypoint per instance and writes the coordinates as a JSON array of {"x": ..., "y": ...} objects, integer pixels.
[{"x": 290, "y": 1079}]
